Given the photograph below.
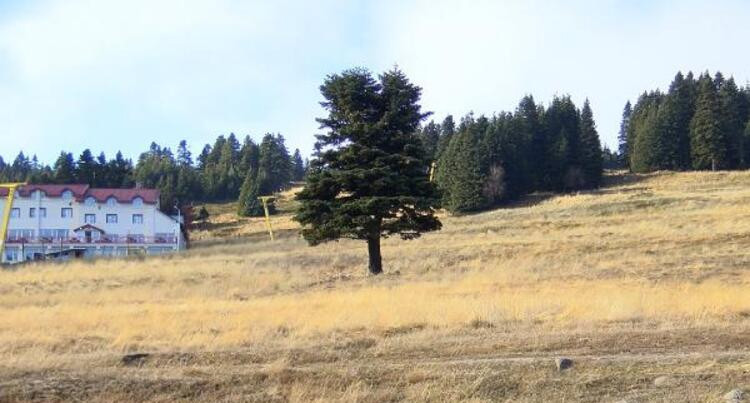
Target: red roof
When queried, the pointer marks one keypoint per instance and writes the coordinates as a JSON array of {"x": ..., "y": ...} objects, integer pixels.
[
  {"x": 80, "y": 192},
  {"x": 124, "y": 195},
  {"x": 50, "y": 190}
]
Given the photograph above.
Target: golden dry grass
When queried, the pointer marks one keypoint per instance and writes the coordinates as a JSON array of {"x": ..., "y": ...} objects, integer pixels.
[{"x": 660, "y": 260}]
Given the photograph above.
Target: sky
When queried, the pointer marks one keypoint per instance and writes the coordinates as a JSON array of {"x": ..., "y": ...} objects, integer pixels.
[{"x": 117, "y": 75}]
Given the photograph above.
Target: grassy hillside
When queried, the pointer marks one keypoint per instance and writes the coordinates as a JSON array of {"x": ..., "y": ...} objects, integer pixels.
[{"x": 644, "y": 283}]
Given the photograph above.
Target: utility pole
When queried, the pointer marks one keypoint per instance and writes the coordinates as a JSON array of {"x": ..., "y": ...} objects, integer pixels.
[
  {"x": 265, "y": 200},
  {"x": 6, "y": 214}
]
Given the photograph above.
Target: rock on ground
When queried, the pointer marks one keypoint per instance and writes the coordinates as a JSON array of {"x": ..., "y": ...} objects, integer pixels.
[{"x": 563, "y": 363}]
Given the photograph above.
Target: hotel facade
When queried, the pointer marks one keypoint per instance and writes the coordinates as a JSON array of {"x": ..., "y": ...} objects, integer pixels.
[{"x": 55, "y": 220}]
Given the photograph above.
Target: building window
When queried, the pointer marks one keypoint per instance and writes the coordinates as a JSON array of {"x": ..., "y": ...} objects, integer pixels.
[
  {"x": 137, "y": 202},
  {"x": 67, "y": 195},
  {"x": 43, "y": 212},
  {"x": 11, "y": 254},
  {"x": 137, "y": 218},
  {"x": 90, "y": 201},
  {"x": 89, "y": 219},
  {"x": 15, "y": 212},
  {"x": 55, "y": 234},
  {"x": 38, "y": 195},
  {"x": 111, "y": 218},
  {"x": 66, "y": 212},
  {"x": 111, "y": 202},
  {"x": 32, "y": 212},
  {"x": 19, "y": 234}
]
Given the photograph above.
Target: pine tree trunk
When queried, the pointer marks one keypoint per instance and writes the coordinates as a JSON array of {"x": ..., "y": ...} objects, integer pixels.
[
  {"x": 373, "y": 248},
  {"x": 713, "y": 164}
]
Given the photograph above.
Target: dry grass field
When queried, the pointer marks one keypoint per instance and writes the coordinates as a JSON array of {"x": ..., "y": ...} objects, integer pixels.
[{"x": 645, "y": 284}]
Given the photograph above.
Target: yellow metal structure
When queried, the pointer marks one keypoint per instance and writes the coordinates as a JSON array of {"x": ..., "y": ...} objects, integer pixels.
[
  {"x": 6, "y": 213},
  {"x": 265, "y": 200}
]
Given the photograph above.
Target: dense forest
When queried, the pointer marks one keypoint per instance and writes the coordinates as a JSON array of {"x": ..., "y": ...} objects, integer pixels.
[
  {"x": 699, "y": 124},
  {"x": 216, "y": 174},
  {"x": 477, "y": 163},
  {"x": 483, "y": 161}
]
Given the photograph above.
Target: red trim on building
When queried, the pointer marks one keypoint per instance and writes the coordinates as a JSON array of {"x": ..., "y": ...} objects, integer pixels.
[{"x": 81, "y": 192}]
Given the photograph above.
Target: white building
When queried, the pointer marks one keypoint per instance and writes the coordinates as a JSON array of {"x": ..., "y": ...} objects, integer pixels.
[{"x": 51, "y": 219}]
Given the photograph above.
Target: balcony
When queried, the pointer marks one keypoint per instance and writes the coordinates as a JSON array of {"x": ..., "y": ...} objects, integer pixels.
[{"x": 103, "y": 240}]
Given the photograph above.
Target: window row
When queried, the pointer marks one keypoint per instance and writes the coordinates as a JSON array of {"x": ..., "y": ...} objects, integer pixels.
[
  {"x": 67, "y": 212},
  {"x": 33, "y": 212},
  {"x": 50, "y": 233},
  {"x": 112, "y": 218}
]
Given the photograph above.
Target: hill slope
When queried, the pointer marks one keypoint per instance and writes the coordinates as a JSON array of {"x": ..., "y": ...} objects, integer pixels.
[{"x": 647, "y": 278}]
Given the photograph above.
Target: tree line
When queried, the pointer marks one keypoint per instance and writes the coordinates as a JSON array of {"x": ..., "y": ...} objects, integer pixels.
[
  {"x": 485, "y": 161},
  {"x": 698, "y": 124},
  {"x": 216, "y": 174}
]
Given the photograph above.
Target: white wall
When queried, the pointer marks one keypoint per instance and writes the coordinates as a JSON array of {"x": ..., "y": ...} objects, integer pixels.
[{"x": 154, "y": 221}]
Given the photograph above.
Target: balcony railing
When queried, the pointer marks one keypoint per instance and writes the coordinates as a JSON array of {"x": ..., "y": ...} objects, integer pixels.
[{"x": 104, "y": 239}]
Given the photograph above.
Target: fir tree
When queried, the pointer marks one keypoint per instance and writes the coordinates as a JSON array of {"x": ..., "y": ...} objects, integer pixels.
[
  {"x": 707, "y": 141},
  {"x": 430, "y": 136},
  {"x": 591, "y": 149},
  {"x": 86, "y": 172},
  {"x": 675, "y": 114},
  {"x": 65, "y": 169},
  {"x": 733, "y": 121},
  {"x": 184, "y": 157},
  {"x": 249, "y": 204},
  {"x": 462, "y": 170},
  {"x": 622, "y": 136},
  {"x": 298, "y": 166},
  {"x": 447, "y": 129},
  {"x": 368, "y": 179}
]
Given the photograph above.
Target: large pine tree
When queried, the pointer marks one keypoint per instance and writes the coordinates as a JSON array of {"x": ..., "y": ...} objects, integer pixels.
[{"x": 369, "y": 177}]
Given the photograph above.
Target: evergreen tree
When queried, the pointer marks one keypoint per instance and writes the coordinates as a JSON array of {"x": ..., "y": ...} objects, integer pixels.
[
  {"x": 249, "y": 204},
  {"x": 707, "y": 140},
  {"x": 184, "y": 157},
  {"x": 275, "y": 165},
  {"x": 203, "y": 157},
  {"x": 203, "y": 214},
  {"x": 536, "y": 147},
  {"x": 675, "y": 113},
  {"x": 622, "y": 137},
  {"x": 447, "y": 129},
  {"x": 733, "y": 119},
  {"x": 86, "y": 172},
  {"x": 645, "y": 133},
  {"x": 249, "y": 157},
  {"x": 645, "y": 156},
  {"x": 65, "y": 169},
  {"x": 119, "y": 172},
  {"x": 368, "y": 178},
  {"x": 298, "y": 170},
  {"x": 462, "y": 177},
  {"x": 430, "y": 136},
  {"x": 563, "y": 168},
  {"x": 591, "y": 149}
]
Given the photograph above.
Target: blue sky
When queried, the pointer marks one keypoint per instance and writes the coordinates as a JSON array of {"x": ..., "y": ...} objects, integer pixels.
[{"x": 116, "y": 75}]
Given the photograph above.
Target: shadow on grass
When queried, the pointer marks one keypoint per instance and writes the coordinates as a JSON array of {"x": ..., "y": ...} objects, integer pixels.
[{"x": 245, "y": 238}]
